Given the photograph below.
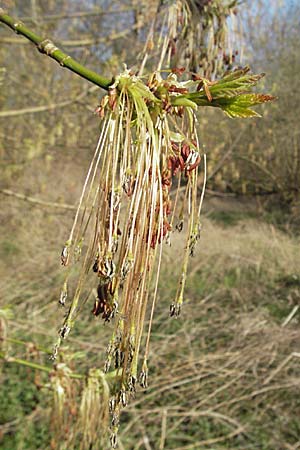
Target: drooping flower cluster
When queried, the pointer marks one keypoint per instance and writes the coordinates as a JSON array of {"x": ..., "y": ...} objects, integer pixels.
[
  {"x": 125, "y": 214},
  {"x": 202, "y": 35},
  {"x": 148, "y": 151}
]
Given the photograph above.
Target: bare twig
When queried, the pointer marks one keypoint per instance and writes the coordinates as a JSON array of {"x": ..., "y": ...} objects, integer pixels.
[
  {"x": 147, "y": 442},
  {"x": 52, "y": 106},
  {"x": 198, "y": 444},
  {"x": 227, "y": 154},
  {"x": 290, "y": 316},
  {"x": 281, "y": 366},
  {"x": 163, "y": 429},
  {"x": 36, "y": 201},
  {"x": 47, "y": 47},
  {"x": 79, "y": 14},
  {"x": 79, "y": 42}
]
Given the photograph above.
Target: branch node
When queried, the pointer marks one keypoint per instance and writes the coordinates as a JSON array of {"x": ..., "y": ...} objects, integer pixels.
[
  {"x": 47, "y": 46},
  {"x": 62, "y": 62},
  {"x": 16, "y": 25}
]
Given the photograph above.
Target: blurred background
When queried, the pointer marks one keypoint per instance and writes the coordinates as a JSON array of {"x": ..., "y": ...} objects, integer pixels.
[{"x": 226, "y": 374}]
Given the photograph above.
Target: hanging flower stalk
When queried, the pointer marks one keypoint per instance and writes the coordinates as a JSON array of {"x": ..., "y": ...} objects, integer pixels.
[
  {"x": 64, "y": 408},
  {"x": 148, "y": 146},
  {"x": 73, "y": 425},
  {"x": 94, "y": 412},
  {"x": 195, "y": 34}
]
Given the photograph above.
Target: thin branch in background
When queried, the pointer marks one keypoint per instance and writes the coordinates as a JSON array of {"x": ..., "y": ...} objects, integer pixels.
[
  {"x": 263, "y": 169},
  {"x": 281, "y": 366},
  {"x": 43, "y": 108},
  {"x": 223, "y": 438},
  {"x": 88, "y": 41},
  {"x": 226, "y": 155},
  {"x": 163, "y": 429},
  {"x": 290, "y": 316},
  {"x": 80, "y": 14},
  {"x": 47, "y": 47},
  {"x": 36, "y": 201}
]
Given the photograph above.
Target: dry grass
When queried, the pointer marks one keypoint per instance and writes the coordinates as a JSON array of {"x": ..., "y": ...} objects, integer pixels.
[{"x": 225, "y": 375}]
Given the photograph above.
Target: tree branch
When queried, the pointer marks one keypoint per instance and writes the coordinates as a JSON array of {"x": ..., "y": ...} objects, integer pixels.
[
  {"x": 88, "y": 41},
  {"x": 47, "y": 47},
  {"x": 80, "y": 14},
  {"x": 42, "y": 108},
  {"x": 109, "y": 377},
  {"x": 36, "y": 201}
]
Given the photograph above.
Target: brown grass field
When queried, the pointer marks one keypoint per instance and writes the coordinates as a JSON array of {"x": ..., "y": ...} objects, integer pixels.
[{"x": 225, "y": 375}]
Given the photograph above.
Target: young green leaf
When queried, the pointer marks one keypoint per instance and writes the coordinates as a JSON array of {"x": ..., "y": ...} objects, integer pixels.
[{"x": 240, "y": 106}]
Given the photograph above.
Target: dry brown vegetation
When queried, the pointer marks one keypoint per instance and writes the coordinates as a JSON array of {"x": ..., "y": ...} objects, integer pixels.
[{"x": 224, "y": 375}]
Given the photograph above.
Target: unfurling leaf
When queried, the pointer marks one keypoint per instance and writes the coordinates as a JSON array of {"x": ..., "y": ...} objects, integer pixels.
[
  {"x": 231, "y": 94},
  {"x": 240, "y": 106},
  {"x": 235, "y": 82}
]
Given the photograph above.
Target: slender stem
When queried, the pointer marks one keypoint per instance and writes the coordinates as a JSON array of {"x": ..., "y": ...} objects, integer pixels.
[
  {"x": 47, "y": 47},
  {"x": 23, "y": 362},
  {"x": 110, "y": 376},
  {"x": 36, "y": 201},
  {"x": 26, "y": 344},
  {"x": 80, "y": 14}
]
